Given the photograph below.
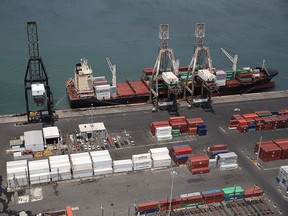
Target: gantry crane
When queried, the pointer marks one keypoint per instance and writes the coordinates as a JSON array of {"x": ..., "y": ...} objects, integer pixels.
[
  {"x": 200, "y": 63},
  {"x": 162, "y": 66},
  {"x": 36, "y": 81}
]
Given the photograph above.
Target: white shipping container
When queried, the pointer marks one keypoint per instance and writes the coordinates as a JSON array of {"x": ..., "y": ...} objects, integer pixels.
[
  {"x": 159, "y": 151},
  {"x": 124, "y": 169},
  {"x": 16, "y": 163},
  {"x": 103, "y": 171},
  {"x": 139, "y": 157},
  {"x": 206, "y": 75},
  {"x": 212, "y": 163},
  {"x": 170, "y": 78},
  {"x": 228, "y": 167},
  {"x": 164, "y": 137},
  {"x": 183, "y": 196},
  {"x": 122, "y": 163},
  {"x": 98, "y": 154}
]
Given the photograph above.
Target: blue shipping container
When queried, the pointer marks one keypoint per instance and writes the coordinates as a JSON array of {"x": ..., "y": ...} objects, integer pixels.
[
  {"x": 149, "y": 211},
  {"x": 201, "y": 126},
  {"x": 211, "y": 191}
]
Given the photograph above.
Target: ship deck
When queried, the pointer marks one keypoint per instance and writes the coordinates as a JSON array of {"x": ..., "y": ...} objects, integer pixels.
[{"x": 117, "y": 193}]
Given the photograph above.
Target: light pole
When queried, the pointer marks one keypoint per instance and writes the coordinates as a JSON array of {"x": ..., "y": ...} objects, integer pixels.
[
  {"x": 173, "y": 174},
  {"x": 259, "y": 150},
  {"x": 102, "y": 210}
]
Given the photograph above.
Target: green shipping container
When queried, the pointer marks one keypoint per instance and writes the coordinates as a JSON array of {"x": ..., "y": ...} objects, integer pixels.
[
  {"x": 191, "y": 204},
  {"x": 233, "y": 191}
]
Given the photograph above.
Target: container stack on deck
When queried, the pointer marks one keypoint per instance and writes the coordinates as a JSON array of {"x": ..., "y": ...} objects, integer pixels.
[
  {"x": 60, "y": 168},
  {"x": 233, "y": 193},
  {"x": 191, "y": 199},
  {"x": 125, "y": 165},
  {"x": 160, "y": 157},
  {"x": 146, "y": 208},
  {"x": 39, "y": 171},
  {"x": 227, "y": 161},
  {"x": 253, "y": 192},
  {"x": 81, "y": 165},
  {"x": 102, "y": 162},
  {"x": 282, "y": 178},
  {"x": 142, "y": 161},
  {"x": 212, "y": 196},
  {"x": 198, "y": 198},
  {"x": 198, "y": 164},
  {"x": 180, "y": 154},
  {"x": 17, "y": 173},
  {"x": 259, "y": 120}
]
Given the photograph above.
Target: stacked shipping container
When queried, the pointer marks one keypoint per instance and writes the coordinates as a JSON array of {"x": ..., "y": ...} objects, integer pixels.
[
  {"x": 253, "y": 192},
  {"x": 227, "y": 161},
  {"x": 17, "y": 173},
  {"x": 122, "y": 165},
  {"x": 272, "y": 150},
  {"x": 180, "y": 125},
  {"x": 212, "y": 196},
  {"x": 102, "y": 162},
  {"x": 282, "y": 178},
  {"x": 180, "y": 154},
  {"x": 216, "y": 149},
  {"x": 39, "y": 171},
  {"x": 60, "y": 168},
  {"x": 233, "y": 193},
  {"x": 142, "y": 161},
  {"x": 81, "y": 165},
  {"x": 160, "y": 157},
  {"x": 198, "y": 164},
  {"x": 259, "y": 120}
]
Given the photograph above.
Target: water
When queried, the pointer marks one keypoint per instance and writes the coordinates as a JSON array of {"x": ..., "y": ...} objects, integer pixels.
[{"x": 127, "y": 33}]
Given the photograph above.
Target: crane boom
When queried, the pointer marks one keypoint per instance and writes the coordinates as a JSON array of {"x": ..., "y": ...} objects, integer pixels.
[
  {"x": 113, "y": 71},
  {"x": 233, "y": 60}
]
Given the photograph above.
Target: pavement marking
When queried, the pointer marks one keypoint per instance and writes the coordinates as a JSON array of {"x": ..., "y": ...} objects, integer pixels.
[
  {"x": 223, "y": 129},
  {"x": 273, "y": 168}
]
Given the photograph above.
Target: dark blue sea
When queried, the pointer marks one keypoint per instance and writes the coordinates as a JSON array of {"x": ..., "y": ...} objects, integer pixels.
[{"x": 127, "y": 32}]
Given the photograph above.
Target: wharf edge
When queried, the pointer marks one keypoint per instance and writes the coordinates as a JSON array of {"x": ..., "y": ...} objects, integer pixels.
[{"x": 67, "y": 113}]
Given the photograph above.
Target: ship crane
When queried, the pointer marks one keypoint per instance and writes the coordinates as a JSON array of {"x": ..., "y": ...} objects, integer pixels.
[
  {"x": 200, "y": 66},
  {"x": 233, "y": 60},
  {"x": 162, "y": 68},
  {"x": 36, "y": 81},
  {"x": 113, "y": 71}
]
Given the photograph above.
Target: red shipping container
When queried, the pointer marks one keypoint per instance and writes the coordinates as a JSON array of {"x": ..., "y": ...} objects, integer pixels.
[
  {"x": 253, "y": 192},
  {"x": 216, "y": 147},
  {"x": 262, "y": 144},
  {"x": 147, "y": 206},
  {"x": 179, "y": 125},
  {"x": 242, "y": 128},
  {"x": 249, "y": 115},
  {"x": 236, "y": 116},
  {"x": 192, "y": 131},
  {"x": 182, "y": 150},
  {"x": 283, "y": 140},
  {"x": 202, "y": 170},
  {"x": 198, "y": 160},
  {"x": 158, "y": 124},
  {"x": 193, "y": 122},
  {"x": 177, "y": 119}
]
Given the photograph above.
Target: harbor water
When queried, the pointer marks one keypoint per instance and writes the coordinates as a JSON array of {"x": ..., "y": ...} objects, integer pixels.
[{"x": 127, "y": 33}]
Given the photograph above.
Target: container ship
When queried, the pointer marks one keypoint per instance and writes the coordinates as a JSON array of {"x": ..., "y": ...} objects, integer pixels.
[{"x": 85, "y": 90}]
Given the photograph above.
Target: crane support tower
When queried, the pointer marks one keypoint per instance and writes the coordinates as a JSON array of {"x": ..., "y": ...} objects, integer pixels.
[
  {"x": 200, "y": 67},
  {"x": 36, "y": 81},
  {"x": 166, "y": 68}
]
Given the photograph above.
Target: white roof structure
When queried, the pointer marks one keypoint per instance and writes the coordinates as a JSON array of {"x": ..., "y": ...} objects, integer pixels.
[
  {"x": 50, "y": 132},
  {"x": 33, "y": 137},
  {"x": 84, "y": 128}
]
